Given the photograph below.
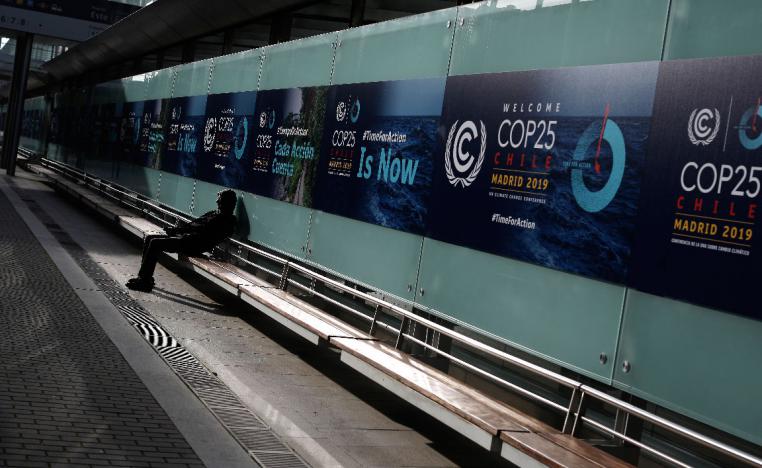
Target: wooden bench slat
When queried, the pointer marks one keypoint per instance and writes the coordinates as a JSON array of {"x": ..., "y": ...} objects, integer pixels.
[
  {"x": 98, "y": 202},
  {"x": 247, "y": 277},
  {"x": 307, "y": 318},
  {"x": 585, "y": 450},
  {"x": 468, "y": 403},
  {"x": 112, "y": 210},
  {"x": 303, "y": 314},
  {"x": 218, "y": 272},
  {"x": 348, "y": 331},
  {"x": 556, "y": 451},
  {"x": 541, "y": 451},
  {"x": 139, "y": 226}
]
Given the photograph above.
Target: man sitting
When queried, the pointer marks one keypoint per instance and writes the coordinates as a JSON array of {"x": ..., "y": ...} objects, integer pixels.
[{"x": 200, "y": 235}]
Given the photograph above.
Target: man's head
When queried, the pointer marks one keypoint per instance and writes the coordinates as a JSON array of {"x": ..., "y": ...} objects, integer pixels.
[{"x": 226, "y": 200}]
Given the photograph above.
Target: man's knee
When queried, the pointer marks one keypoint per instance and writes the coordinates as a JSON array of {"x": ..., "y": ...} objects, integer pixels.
[
  {"x": 151, "y": 237},
  {"x": 164, "y": 244}
]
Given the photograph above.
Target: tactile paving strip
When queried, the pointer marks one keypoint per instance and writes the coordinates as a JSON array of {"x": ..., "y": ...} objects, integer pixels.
[{"x": 250, "y": 431}]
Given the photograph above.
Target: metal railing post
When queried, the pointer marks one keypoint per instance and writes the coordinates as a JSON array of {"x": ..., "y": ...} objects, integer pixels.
[
  {"x": 376, "y": 310},
  {"x": 621, "y": 423},
  {"x": 401, "y": 334},
  {"x": 573, "y": 401},
  {"x": 578, "y": 413},
  {"x": 284, "y": 276}
]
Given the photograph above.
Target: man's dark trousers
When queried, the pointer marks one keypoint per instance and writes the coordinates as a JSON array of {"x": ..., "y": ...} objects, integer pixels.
[{"x": 153, "y": 246}]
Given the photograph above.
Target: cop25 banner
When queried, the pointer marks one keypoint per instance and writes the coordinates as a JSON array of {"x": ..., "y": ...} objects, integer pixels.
[
  {"x": 228, "y": 134},
  {"x": 152, "y": 132},
  {"x": 697, "y": 233},
  {"x": 112, "y": 117},
  {"x": 184, "y": 131},
  {"x": 287, "y": 133},
  {"x": 545, "y": 166},
  {"x": 130, "y": 131},
  {"x": 378, "y": 151}
]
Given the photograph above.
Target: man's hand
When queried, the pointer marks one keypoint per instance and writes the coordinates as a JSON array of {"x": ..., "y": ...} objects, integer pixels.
[{"x": 180, "y": 227}]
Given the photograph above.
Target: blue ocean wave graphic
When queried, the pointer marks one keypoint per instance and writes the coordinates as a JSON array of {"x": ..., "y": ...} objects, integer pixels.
[
  {"x": 398, "y": 205},
  {"x": 567, "y": 237}
]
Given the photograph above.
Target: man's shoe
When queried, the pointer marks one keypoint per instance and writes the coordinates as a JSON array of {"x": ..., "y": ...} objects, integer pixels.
[
  {"x": 140, "y": 285},
  {"x": 138, "y": 279}
]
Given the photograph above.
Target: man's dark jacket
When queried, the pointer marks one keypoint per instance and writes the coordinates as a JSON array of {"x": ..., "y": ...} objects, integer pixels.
[{"x": 203, "y": 233}]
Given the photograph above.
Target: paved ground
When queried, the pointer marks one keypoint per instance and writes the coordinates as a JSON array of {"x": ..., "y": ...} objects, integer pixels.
[
  {"x": 66, "y": 393},
  {"x": 330, "y": 415}
]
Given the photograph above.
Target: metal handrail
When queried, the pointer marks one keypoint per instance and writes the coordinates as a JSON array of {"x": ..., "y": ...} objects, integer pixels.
[
  {"x": 577, "y": 387},
  {"x": 516, "y": 388},
  {"x": 116, "y": 188},
  {"x": 470, "y": 342},
  {"x": 673, "y": 427},
  {"x": 607, "y": 430}
]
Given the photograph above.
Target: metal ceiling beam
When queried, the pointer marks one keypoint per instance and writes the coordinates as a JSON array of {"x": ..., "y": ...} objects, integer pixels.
[{"x": 157, "y": 26}]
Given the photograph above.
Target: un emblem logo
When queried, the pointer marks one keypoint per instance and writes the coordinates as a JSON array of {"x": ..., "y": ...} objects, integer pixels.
[
  {"x": 700, "y": 131},
  {"x": 461, "y": 167}
]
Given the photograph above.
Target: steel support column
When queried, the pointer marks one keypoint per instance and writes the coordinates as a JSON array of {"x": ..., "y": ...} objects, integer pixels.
[
  {"x": 189, "y": 52},
  {"x": 280, "y": 28},
  {"x": 357, "y": 15},
  {"x": 160, "y": 59},
  {"x": 21, "y": 61},
  {"x": 227, "y": 41}
]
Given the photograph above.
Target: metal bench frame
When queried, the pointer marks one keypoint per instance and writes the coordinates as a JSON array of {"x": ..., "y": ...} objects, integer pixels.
[{"x": 581, "y": 394}]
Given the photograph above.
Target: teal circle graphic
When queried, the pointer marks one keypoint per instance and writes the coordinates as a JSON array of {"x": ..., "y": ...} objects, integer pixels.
[
  {"x": 238, "y": 150},
  {"x": 271, "y": 122},
  {"x": 355, "y": 112},
  {"x": 594, "y": 202},
  {"x": 749, "y": 143}
]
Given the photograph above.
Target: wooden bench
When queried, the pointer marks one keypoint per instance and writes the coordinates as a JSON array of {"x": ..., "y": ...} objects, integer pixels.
[
  {"x": 99, "y": 203},
  {"x": 491, "y": 424},
  {"x": 302, "y": 318},
  {"x": 549, "y": 448},
  {"x": 525, "y": 441}
]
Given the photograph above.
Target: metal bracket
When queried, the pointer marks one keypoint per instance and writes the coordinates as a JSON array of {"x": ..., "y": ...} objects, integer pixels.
[
  {"x": 578, "y": 414},
  {"x": 284, "y": 276},
  {"x": 376, "y": 310},
  {"x": 400, "y": 336},
  {"x": 621, "y": 422},
  {"x": 573, "y": 401}
]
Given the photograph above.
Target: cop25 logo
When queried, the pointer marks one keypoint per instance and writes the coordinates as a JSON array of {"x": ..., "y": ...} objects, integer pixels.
[
  {"x": 751, "y": 120},
  {"x": 267, "y": 119},
  {"x": 241, "y": 136},
  {"x": 596, "y": 133},
  {"x": 461, "y": 167},
  {"x": 351, "y": 106},
  {"x": 341, "y": 111},
  {"x": 210, "y": 130}
]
